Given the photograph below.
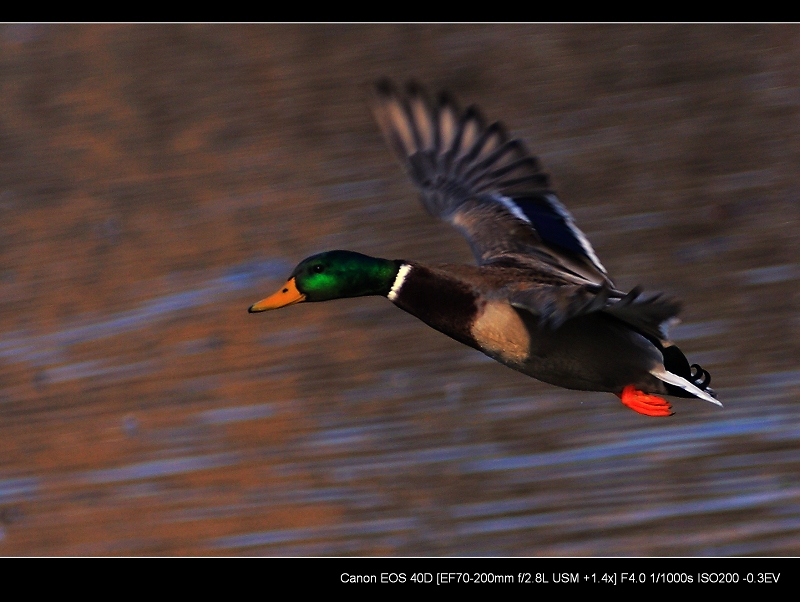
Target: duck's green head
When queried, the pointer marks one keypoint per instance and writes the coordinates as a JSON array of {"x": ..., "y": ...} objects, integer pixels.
[{"x": 333, "y": 275}]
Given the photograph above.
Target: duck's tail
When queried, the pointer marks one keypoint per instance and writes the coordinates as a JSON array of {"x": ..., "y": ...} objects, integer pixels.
[{"x": 683, "y": 380}]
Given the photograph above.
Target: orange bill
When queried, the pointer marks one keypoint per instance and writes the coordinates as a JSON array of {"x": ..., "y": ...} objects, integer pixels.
[{"x": 288, "y": 295}]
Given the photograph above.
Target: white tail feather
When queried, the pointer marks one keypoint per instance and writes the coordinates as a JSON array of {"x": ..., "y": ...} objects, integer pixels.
[{"x": 673, "y": 379}]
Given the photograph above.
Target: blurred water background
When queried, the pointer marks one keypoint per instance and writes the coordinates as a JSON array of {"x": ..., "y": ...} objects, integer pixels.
[{"x": 157, "y": 180}]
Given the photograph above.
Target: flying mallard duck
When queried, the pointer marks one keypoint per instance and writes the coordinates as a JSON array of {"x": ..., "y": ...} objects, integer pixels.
[{"x": 539, "y": 300}]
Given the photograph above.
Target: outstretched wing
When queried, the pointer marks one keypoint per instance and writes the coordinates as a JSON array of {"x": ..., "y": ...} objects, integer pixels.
[{"x": 485, "y": 184}]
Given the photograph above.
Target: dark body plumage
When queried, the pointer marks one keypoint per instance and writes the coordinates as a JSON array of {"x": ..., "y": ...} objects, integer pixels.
[{"x": 591, "y": 352}]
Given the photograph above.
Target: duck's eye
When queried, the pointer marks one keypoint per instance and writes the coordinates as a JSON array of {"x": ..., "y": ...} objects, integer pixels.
[{"x": 318, "y": 268}]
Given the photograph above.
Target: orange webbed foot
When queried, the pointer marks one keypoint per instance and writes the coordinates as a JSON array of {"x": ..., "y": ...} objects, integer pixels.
[{"x": 646, "y": 404}]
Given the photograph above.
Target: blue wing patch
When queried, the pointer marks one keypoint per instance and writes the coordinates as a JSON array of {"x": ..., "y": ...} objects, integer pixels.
[{"x": 553, "y": 223}]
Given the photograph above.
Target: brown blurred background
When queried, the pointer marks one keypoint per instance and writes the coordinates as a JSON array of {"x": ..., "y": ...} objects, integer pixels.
[{"x": 157, "y": 180}]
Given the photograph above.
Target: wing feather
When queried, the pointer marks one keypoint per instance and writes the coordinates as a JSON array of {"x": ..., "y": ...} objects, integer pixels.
[{"x": 484, "y": 183}]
